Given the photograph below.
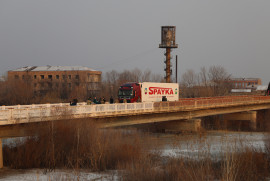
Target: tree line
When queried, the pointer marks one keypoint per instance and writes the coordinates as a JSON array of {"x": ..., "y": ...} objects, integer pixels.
[{"x": 208, "y": 82}]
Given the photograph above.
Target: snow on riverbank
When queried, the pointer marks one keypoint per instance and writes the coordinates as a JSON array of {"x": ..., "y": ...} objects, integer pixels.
[
  {"x": 39, "y": 175},
  {"x": 215, "y": 144}
]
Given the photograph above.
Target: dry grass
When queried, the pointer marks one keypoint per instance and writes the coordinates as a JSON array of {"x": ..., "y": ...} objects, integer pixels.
[
  {"x": 248, "y": 166},
  {"x": 235, "y": 164},
  {"x": 80, "y": 145},
  {"x": 83, "y": 145}
]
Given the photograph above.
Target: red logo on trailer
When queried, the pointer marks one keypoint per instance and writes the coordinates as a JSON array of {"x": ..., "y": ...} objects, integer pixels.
[{"x": 160, "y": 91}]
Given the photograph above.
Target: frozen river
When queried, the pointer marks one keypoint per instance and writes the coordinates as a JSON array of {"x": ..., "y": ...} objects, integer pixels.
[{"x": 213, "y": 143}]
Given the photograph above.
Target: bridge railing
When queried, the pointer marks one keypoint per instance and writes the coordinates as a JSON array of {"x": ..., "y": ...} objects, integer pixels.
[
  {"x": 209, "y": 102},
  {"x": 41, "y": 112},
  {"x": 21, "y": 114},
  {"x": 205, "y": 101}
]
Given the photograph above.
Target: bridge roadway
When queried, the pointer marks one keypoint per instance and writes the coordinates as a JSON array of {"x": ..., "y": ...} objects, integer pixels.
[{"x": 113, "y": 115}]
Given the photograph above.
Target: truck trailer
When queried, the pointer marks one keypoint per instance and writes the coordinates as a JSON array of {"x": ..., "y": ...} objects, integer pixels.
[{"x": 148, "y": 92}]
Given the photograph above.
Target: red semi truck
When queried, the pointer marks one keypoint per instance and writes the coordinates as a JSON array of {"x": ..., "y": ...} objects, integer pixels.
[{"x": 148, "y": 92}]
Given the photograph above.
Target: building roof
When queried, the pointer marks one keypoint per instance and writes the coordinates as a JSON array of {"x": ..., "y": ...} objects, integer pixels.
[
  {"x": 53, "y": 68},
  {"x": 244, "y": 79},
  {"x": 240, "y": 90},
  {"x": 262, "y": 87}
]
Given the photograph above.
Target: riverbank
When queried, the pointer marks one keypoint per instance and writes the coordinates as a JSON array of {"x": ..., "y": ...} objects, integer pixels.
[
  {"x": 72, "y": 152},
  {"x": 7, "y": 174}
]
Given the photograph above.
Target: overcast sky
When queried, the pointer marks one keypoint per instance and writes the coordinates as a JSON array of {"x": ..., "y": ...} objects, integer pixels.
[{"x": 122, "y": 34}]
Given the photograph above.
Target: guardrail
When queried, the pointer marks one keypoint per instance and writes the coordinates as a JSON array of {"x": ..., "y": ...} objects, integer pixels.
[{"x": 43, "y": 112}]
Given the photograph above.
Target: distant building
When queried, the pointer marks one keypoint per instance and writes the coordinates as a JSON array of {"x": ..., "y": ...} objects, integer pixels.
[
  {"x": 244, "y": 83},
  {"x": 46, "y": 78}
]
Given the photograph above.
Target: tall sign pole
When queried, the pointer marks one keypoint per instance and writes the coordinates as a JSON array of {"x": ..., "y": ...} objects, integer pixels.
[{"x": 168, "y": 42}]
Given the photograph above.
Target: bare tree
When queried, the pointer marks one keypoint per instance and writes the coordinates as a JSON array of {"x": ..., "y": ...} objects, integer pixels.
[
  {"x": 189, "y": 78},
  {"x": 112, "y": 77},
  {"x": 136, "y": 75},
  {"x": 211, "y": 82},
  {"x": 203, "y": 76},
  {"x": 16, "y": 92},
  {"x": 157, "y": 78},
  {"x": 188, "y": 84},
  {"x": 125, "y": 76},
  {"x": 111, "y": 84},
  {"x": 146, "y": 77},
  {"x": 218, "y": 76}
]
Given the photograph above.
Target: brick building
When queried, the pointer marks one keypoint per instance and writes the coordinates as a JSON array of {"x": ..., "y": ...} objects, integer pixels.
[
  {"x": 243, "y": 83},
  {"x": 46, "y": 78}
]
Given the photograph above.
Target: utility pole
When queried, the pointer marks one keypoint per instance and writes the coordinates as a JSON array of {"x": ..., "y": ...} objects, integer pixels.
[{"x": 176, "y": 69}]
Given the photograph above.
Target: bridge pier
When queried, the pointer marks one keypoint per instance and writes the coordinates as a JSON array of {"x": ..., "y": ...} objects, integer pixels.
[
  {"x": 249, "y": 117},
  {"x": 1, "y": 154},
  {"x": 263, "y": 119},
  {"x": 190, "y": 125}
]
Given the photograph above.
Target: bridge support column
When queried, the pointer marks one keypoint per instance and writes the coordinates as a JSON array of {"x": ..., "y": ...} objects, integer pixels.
[
  {"x": 263, "y": 119},
  {"x": 250, "y": 117},
  {"x": 191, "y": 125},
  {"x": 1, "y": 154}
]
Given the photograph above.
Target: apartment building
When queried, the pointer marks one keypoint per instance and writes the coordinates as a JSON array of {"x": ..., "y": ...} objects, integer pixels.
[
  {"x": 243, "y": 83},
  {"x": 46, "y": 78}
]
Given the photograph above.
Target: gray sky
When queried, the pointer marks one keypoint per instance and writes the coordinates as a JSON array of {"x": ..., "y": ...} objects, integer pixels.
[{"x": 123, "y": 34}]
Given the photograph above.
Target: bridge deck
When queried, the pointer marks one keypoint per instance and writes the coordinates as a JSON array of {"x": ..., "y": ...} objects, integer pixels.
[{"x": 46, "y": 112}]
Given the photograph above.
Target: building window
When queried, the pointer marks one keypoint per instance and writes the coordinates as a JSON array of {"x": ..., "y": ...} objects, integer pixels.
[
  {"x": 69, "y": 76},
  {"x": 57, "y": 76},
  {"x": 35, "y": 76},
  {"x": 77, "y": 77},
  {"x": 96, "y": 78},
  {"x": 22, "y": 76},
  {"x": 239, "y": 85},
  {"x": 63, "y": 76},
  {"x": 93, "y": 78},
  {"x": 16, "y": 77},
  {"x": 50, "y": 77},
  {"x": 41, "y": 76}
]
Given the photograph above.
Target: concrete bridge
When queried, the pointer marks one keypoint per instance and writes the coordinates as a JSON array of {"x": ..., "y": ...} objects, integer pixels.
[
  {"x": 113, "y": 115},
  {"x": 14, "y": 120}
]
